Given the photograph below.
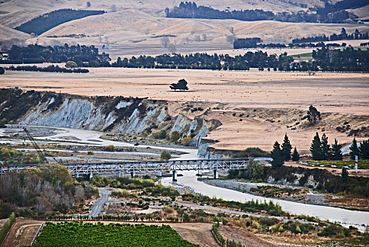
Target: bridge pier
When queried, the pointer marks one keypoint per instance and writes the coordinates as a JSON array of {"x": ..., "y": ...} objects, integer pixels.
[
  {"x": 174, "y": 176},
  {"x": 91, "y": 175},
  {"x": 216, "y": 175}
]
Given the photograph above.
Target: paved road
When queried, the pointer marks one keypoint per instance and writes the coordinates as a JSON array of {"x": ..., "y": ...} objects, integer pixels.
[{"x": 99, "y": 204}]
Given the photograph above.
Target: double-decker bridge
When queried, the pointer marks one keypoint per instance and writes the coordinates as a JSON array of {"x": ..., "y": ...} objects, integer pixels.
[{"x": 147, "y": 167}]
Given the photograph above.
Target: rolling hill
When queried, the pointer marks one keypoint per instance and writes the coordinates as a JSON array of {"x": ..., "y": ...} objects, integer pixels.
[{"x": 133, "y": 27}]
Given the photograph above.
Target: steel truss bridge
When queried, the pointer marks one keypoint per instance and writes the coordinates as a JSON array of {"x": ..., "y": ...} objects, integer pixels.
[{"x": 148, "y": 167}]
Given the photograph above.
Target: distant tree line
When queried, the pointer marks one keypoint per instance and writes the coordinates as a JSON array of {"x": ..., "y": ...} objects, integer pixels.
[
  {"x": 87, "y": 56},
  {"x": 331, "y": 14},
  {"x": 249, "y": 60},
  {"x": 50, "y": 20},
  {"x": 246, "y": 43},
  {"x": 51, "y": 68},
  {"x": 324, "y": 59},
  {"x": 333, "y": 37}
]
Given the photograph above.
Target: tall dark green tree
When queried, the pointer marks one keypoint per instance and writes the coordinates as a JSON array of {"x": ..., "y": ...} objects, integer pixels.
[
  {"x": 286, "y": 148},
  {"x": 336, "y": 151},
  {"x": 354, "y": 150},
  {"x": 277, "y": 155},
  {"x": 325, "y": 148},
  {"x": 295, "y": 155},
  {"x": 344, "y": 175},
  {"x": 315, "y": 148},
  {"x": 364, "y": 150}
]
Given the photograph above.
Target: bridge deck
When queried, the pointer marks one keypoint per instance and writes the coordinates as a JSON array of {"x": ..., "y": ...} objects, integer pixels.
[{"x": 147, "y": 166}]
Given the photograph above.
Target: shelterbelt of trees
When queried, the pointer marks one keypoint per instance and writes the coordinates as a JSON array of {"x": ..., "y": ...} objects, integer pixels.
[
  {"x": 51, "y": 68},
  {"x": 324, "y": 59},
  {"x": 311, "y": 42},
  {"x": 331, "y": 13},
  {"x": 82, "y": 55}
]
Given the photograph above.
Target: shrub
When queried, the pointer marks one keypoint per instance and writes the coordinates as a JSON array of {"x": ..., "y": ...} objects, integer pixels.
[
  {"x": 174, "y": 136},
  {"x": 165, "y": 155},
  {"x": 186, "y": 141},
  {"x": 71, "y": 64},
  {"x": 252, "y": 152},
  {"x": 335, "y": 230},
  {"x": 162, "y": 134},
  {"x": 110, "y": 148},
  {"x": 268, "y": 221}
]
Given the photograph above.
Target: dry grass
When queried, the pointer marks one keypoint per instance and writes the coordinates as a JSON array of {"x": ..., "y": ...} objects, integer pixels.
[
  {"x": 136, "y": 27},
  {"x": 254, "y": 107}
]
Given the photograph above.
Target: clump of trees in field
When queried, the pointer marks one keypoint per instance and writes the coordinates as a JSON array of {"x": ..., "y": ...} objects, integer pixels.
[
  {"x": 181, "y": 85},
  {"x": 313, "y": 115},
  {"x": 333, "y": 37},
  {"x": 50, "y": 20}
]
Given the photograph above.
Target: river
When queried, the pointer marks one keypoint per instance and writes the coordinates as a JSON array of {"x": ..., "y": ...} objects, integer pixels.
[{"x": 189, "y": 179}]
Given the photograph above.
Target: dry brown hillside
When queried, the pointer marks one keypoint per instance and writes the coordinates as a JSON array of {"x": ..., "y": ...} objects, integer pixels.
[{"x": 137, "y": 27}]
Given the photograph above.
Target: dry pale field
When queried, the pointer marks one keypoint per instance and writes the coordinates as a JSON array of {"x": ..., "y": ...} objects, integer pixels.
[{"x": 255, "y": 108}]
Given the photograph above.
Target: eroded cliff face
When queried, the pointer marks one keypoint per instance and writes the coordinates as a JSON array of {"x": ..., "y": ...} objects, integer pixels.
[{"x": 132, "y": 116}]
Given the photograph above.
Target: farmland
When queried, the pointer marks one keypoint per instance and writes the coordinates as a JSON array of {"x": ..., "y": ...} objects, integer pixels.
[{"x": 111, "y": 235}]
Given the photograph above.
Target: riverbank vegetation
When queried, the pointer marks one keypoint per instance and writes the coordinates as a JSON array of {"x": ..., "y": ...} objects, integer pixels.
[
  {"x": 41, "y": 191},
  {"x": 250, "y": 206},
  {"x": 319, "y": 179},
  {"x": 12, "y": 156}
]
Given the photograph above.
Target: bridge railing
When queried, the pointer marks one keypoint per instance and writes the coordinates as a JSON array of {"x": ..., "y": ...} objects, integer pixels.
[{"x": 147, "y": 166}]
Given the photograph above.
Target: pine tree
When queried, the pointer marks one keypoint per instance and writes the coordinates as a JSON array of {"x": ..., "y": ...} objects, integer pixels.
[
  {"x": 277, "y": 155},
  {"x": 336, "y": 151},
  {"x": 354, "y": 150},
  {"x": 344, "y": 175},
  {"x": 286, "y": 148},
  {"x": 315, "y": 149},
  {"x": 325, "y": 148},
  {"x": 364, "y": 150},
  {"x": 295, "y": 155}
]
